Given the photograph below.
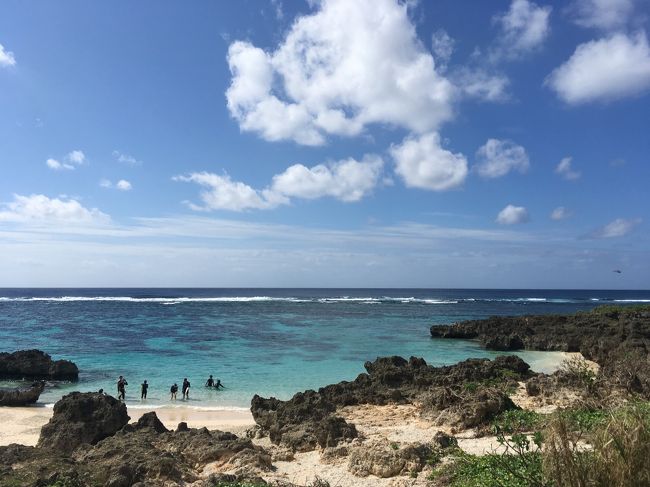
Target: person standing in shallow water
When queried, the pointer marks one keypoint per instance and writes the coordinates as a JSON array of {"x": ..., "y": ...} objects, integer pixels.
[
  {"x": 173, "y": 390},
  {"x": 218, "y": 385},
  {"x": 209, "y": 382},
  {"x": 121, "y": 388},
  {"x": 186, "y": 388},
  {"x": 144, "y": 388}
]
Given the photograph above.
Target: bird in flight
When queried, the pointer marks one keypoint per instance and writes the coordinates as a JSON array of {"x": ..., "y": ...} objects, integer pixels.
[{"x": 618, "y": 271}]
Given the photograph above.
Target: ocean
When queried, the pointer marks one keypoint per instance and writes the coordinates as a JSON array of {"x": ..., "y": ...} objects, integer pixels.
[{"x": 273, "y": 342}]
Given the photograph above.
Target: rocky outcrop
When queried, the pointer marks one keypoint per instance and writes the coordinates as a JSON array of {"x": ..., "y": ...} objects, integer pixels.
[
  {"x": 82, "y": 419},
  {"x": 35, "y": 364},
  {"x": 599, "y": 335},
  {"x": 88, "y": 442},
  {"x": 384, "y": 459},
  {"x": 305, "y": 422},
  {"x": 21, "y": 396},
  {"x": 464, "y": 409},
  {"x": 308, "y": 420}
]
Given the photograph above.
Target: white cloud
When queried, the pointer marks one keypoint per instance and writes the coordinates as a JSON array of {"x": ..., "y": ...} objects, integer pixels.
[
  {"x": 478, "y": 83},
  {"x": 6, "y": 58},
  {"x": 498, "y": 157},
  {"x": 442, "y": 46},
  {"x": 422, "y": 163},
  {"x": 346, "y": 180},
  {"x": 523, "y": 28},
  {"x": 606, "y": 69},
  {"x": 512, "y": 215},
  {"x": 58, "y": 166},
  {"x": 565, "y": 170},
  {"x": 72, "y": 159},
  {"x": 224, "y": 194},
  {"x": 121, "y": 185},
  {"x": 41, "y": 209},
  {"x": 560, "y": 213},
  {"x": 345, "y": 66},
  {"x": 76, "y": 157},
  {"x": 617, "y": 228},
  {"x": 602, "y": 14},
  {"x": 126, "y": 158}
]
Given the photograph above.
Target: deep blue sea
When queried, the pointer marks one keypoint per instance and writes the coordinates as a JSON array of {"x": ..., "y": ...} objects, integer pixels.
[{"x": 273, "y": 342}]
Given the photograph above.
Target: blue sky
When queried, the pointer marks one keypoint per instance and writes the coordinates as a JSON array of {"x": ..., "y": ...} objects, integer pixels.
[{"x": 325, "y": 143}]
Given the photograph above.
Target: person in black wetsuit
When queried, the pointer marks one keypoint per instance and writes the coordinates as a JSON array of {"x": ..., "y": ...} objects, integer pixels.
[
  {"x": 186, "y": 388},
  {"x": 121, "y": 388},
  {"x": 209, "y": 382},
  {"x": 218, "y": 384},
  {"x": 143, "y": 388},
  {"x": 173, "y": 390}
]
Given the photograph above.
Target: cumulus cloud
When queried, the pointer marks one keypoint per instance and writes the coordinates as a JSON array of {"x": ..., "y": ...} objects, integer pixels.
[
  {"x": 560, "y": 213},
  {"x": 222, "y": 193},
  {"x": 121, "y": 185},
  {"x": 347, "y": 65},
  {"x": 71, "y": 161},
  {"x": 523, "y": 28},
  {"x": 512, "y": 215},
  {"x": 614, "y": 67},
  {"x": 76, "y": 157},
  {"x": 58, "y": 166},
  {"x": 565, "y": 170},
  {"x": 602, "y": 14},
  {"x": 6, "y": 58},
  {"x": 126, "y": 158},
  {"x": 423, "y": 163},
  {"x": 39, "y": 208},
  {"x": 497, "y": 158},
  {"x": 347, "y": 180},
  {"x": 617, "y": 228}
]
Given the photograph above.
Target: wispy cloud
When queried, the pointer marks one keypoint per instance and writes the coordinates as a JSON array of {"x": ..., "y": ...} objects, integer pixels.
[
  {"x": 126, "y": 158},
  {"x": 617, "y": 228},
  {"x": 565, "y": 170}
]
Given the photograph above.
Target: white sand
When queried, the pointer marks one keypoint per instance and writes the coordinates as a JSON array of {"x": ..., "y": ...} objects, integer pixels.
[{"x": 23, "y": 425}]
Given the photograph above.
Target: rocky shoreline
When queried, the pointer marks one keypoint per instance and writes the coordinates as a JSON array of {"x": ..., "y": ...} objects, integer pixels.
[{"x": 402, "y": 422}]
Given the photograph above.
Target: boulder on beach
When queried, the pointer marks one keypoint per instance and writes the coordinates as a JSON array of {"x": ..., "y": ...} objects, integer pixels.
[
  {"x": 21, "y": 396},
  {"x": 83, "y": 418},
  {"x": 35, "y": 364}
]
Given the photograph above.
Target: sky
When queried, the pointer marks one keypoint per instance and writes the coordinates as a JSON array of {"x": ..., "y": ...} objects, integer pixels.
[{"x": 325, "y": 143}]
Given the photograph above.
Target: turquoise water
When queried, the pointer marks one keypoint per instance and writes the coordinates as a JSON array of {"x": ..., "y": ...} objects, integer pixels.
[{"x": 273, "y": 342}]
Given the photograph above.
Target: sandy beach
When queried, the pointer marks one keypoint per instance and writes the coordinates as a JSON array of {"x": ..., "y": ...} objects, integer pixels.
[{"x": 23, "y": 424}]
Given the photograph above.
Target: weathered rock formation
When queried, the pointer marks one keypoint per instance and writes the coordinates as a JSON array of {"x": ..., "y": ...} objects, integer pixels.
[
  {"x": 88, "y": 442},
  {"x": 21, "y": 396},
  {"x": 598, "y": 335},
  {"x": 618, "y": 338},
  {"x": 309, "y": 420},
  {"x": 83, "y": 419},
  {"x": 385, "y": 459},
  {"x": 35, "y": 364}
]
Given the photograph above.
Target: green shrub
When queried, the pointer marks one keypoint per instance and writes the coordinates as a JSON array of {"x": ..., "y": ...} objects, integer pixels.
[
  {"x": 517, "y": 421},
  {"x": 493, "y": 470}
]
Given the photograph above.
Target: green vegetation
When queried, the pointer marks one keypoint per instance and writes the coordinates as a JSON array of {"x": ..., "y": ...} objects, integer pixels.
[
  {"x": 517, "y": 421},
  {"x": 614, "y": 309},
  {"x": 559, "y": 457},
  {"x": 493, "y": 470}
]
